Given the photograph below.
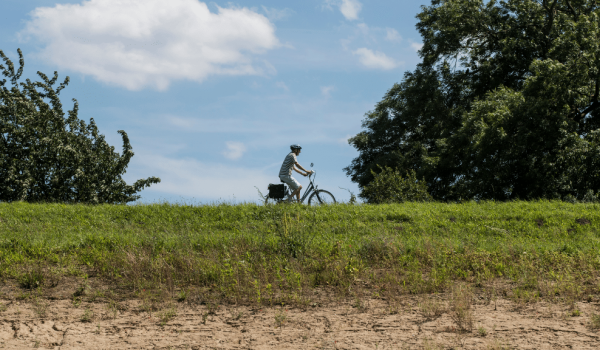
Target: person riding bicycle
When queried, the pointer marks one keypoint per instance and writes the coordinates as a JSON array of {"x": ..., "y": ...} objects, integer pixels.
[{"x": 285, "y": 174}]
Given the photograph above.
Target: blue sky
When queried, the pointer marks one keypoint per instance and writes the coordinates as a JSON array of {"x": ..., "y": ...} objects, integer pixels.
[{"x": 213, "y": 93}]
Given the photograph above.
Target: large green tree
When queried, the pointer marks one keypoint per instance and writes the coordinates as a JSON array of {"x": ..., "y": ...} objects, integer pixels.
[
  {"x": 47, "y": 157},
  {"x": 504, "y": 104}
]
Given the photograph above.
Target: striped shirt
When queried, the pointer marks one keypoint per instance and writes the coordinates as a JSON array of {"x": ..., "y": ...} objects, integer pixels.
[{"x": 288, "y": 164}]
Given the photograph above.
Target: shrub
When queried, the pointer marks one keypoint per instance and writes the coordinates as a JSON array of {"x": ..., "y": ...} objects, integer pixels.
[
  {"x": 390, "y": 187},
  {"x": 32, "y": 278},
  {"x": 47, "y": 157}
]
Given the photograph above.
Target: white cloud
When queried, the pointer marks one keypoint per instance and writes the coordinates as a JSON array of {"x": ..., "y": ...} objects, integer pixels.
[
  {"x": 348, "y": 8},
  {"x": 235, "y": 150},
  {"x": 190, "y": 178},
  {"x": 140, "y": 43},
  {"x": 416, "y": 46},
  {"x": 281, "y": 85},
  {"x": 277, "y": 15},
  {"x": 326, "y": 90},
  {"x": 393, "y": 35},
  {"x": 363, "y": 28},
  {"x": 377, "y": 60}
]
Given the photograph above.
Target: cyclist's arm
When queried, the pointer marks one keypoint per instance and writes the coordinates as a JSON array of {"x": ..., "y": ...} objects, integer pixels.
[
  {"x": 298, "y": 171},
  {"x": 300, "y": 166}
]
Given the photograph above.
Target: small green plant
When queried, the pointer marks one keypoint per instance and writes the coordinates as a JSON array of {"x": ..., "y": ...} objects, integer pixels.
[
  {"x": 87, "y": 316},
  {"x": 24, "y": 295},
  {"x": 359, "y": 304},
  {"x": 167, "y": 315},
  {"x": 3, "y": 307},
  {"x": 212, "y": 308},
  {"x": 280, "y": 318},
  {"x": 237, "y": 315},
  {"x": 575, "y": 313},
  {"x": 76, "y": 302},
  {"x": 182, "y": 295},
  {"x": 482, "y": 331},
  {"x": 83, "y": 287},
  {"x": 113, "y": 308}
]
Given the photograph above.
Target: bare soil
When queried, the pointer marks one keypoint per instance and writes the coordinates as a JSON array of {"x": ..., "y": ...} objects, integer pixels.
[{"x": 369, "y": 324}]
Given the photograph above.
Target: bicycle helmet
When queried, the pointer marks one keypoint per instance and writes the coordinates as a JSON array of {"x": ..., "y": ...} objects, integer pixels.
[{"x": 295, "y": 146}]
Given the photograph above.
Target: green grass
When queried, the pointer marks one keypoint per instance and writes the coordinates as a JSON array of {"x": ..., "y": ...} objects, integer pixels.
[{"x": 288, "y": 253}]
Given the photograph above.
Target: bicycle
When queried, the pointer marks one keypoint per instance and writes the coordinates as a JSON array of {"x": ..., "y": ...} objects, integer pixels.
[{"x": 317, "y": 196}]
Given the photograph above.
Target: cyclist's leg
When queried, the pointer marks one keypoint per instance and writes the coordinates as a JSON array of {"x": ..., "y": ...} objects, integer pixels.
[
  {"x": 297, "y": 191},
  {"x": 294, "y": 185},
  {"x": 297, "y": 194}
]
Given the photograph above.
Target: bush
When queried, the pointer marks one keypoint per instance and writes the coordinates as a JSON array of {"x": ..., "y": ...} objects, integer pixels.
[
  {"x": 390, "y": 187},
  {"x": 47, "y": 157}
]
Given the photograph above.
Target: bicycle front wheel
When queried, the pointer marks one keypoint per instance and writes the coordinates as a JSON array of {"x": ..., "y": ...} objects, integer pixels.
[{"x": 321, "y": 197}]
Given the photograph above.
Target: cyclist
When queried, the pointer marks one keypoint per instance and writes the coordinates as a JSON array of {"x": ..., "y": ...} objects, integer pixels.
[{"x": 285, "y": 174}]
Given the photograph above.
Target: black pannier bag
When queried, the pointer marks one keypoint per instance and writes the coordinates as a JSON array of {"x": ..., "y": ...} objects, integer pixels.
[{"x": 276, "y": 191}]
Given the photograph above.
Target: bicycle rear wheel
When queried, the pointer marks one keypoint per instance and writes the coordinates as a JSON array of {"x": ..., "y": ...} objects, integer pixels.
[{"x": 321, "y": 197}]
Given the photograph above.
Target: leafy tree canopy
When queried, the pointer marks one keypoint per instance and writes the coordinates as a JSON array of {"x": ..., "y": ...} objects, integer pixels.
[
  {"x": 45, "y": 156},
  {"x": 504, "y": 104}
]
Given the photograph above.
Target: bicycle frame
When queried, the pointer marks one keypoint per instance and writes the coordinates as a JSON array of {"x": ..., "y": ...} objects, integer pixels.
[{"x": 310, "y": 188}]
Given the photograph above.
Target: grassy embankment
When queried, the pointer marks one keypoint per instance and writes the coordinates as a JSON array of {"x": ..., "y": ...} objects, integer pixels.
[{"x": 298, "y": 255}]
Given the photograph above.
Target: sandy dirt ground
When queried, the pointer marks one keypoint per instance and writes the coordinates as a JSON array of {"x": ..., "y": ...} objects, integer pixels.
[{"x": 60, "y": 324}]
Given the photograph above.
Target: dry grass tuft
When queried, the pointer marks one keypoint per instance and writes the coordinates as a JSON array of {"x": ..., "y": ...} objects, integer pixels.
[
  {"x": 495, "y": 344},
  {"x": 40, "y": 307},
  {"x": 431, "y": 308},
  {"x": 461, "y": 307},
  {"x": 428, "y": 344}
]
